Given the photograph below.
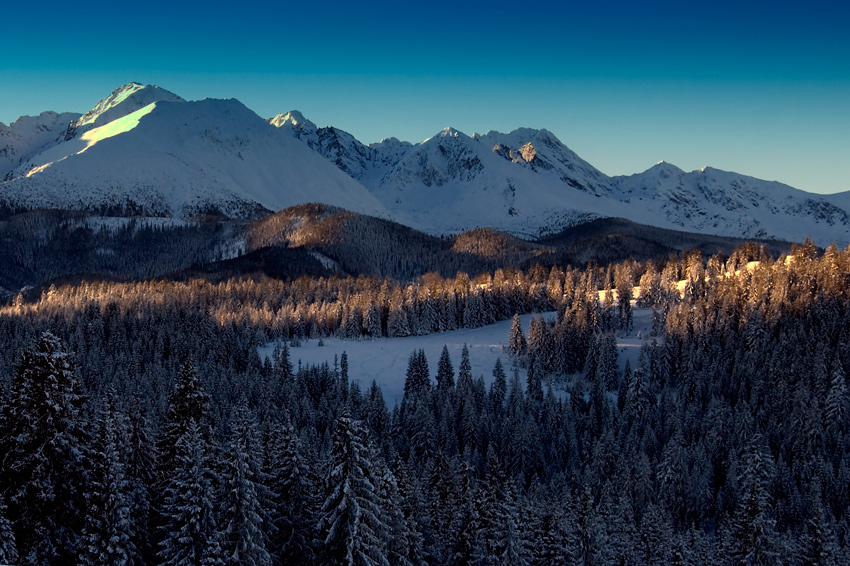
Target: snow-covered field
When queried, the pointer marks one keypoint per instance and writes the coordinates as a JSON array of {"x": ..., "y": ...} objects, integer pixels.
[{"x": 385, "y": 359}]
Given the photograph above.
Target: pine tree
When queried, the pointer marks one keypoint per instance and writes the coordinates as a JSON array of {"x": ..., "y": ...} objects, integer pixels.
[
  {"x": 399, "y": 536},
  {"x": 398, "y": 324},
  {"x": 244, "y": 521},
  {"x": 8, "y": 548},
  {"x": 292, "y": 498},
  {"x": 352, "y": 518},
  {"x": 418, "y": 381},
  {"x": 343, "y": 367},
  {"x": 464, "y": 374},
  {"x": 516, "y": 339},
  {"x": 109, "y": 530},
  {"x": 818, "y": 540},
  {"x": 282, "y": 364},
  {"x": 752, "y": 537},
  {"x": 43, "y": 443},
  {"x": 189, "y": 534},
  {"x": 588, "y": 541},
  {"x": 655, "y": 536},
  {"x": 140, "y": 455},
  {"x": 499, "y": 388},
  {"x": 836, "y": 409},
  {"x": 372, "y": 323},
  {"x": 445, "y": 370},
  {"x": 188, "y": 406}
]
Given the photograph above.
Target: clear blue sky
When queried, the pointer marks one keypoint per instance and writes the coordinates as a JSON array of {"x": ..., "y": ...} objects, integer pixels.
[{"x": 761, "y": 88}]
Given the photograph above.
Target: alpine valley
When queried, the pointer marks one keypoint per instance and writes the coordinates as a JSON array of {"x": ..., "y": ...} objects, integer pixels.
[
  {"x": 144, "y": 151},
  {"x": 236, "y": 341}
]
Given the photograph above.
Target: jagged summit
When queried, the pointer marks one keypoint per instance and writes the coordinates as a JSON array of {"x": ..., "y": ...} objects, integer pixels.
[
  {"x": 124, "y": 100},
  {"x": 293, "y": 119},
  {"x": 146, "y": 151}
]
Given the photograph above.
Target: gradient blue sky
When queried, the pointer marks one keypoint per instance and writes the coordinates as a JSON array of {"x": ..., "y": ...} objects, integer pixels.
[{"x": 761, "y": 88}]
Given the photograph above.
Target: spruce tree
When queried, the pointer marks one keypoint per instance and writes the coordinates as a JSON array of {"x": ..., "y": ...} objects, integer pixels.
[
  {"x": 292, "y": 498},
  {"x": 189, "y": 533},
  {"x": 244, "y": 521},
  {"x": 352, "y": 521},
  {"x": 445, "y": 370},
  {"x": 188, "y": 406},
  {"x": 44, "y": 445},
  {"x": 8, "y": 548},
  {"x": 110, "y": 528},
  {"x": 516, "y": 339},
  {"x": 752, "y": 537}
]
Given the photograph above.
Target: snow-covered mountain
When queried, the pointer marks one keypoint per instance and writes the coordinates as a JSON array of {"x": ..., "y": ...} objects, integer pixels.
[
  {"x": 719, "y": 202},
  {"x": 144, "y": 150},
  {"x": 25, "y": 137},
  {"x": 529, "y": 183}
]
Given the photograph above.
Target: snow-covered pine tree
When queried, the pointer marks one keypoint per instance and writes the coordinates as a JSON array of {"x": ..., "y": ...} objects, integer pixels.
[
  {"x": 244, "y": 521},
  {"x": 8, "y": 548},
  {"x": 399, "y": 536},
  {"x": 141, "y": 474},
  {"x": 189, "y": 534},
  {"x": 44, "y": 446},
  {"x": 417, "y": 381},
  {"x": 188, "y": 405},
  {"x": 498, "y": 389},
  {"x": 372, "y": 321},
  {"x": 109, "y": 529},
  {"x": 352, "y": 519},
  {"x": 752, "y": 538},
  {"x": 464, "y": 374},
  {"x": 292, "y": 498},
  {"x": 516, "y": 339},
  {"x": 445, "y": 370},
  {"x": 398, "y": 324}
]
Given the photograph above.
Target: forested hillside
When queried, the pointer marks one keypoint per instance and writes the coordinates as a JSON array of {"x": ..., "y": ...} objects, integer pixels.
[
  {"x": 49, "y": 246},
  {"x": 139, "y": 425}
]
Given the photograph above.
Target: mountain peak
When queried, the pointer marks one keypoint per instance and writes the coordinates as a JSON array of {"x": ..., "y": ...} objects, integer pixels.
[
  {"x": 292, "y": 119},
  {"x": 125, "y": 100},
  {"x": 665, "y": 166}
]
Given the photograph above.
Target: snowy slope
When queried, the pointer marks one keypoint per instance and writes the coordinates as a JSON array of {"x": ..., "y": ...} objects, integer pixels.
[
  {"x": 124, "y": 100},
  {"x": 341, "y": 148},
  {"x": 720, "y": 202},
  {"x": 529, "y": 183},
  {"x": 453, "y": 182},
  {"x": 542, "y": 152},
  {"x": 26, "y": 136},
  {"x": 176, "y": 158}
]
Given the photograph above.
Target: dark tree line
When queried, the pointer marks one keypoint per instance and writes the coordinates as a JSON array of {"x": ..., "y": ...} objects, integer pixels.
[{"x": 139, "y": 426}]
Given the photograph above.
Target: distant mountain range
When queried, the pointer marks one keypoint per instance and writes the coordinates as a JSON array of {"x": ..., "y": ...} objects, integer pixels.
[{"x": 144, "y": 151}]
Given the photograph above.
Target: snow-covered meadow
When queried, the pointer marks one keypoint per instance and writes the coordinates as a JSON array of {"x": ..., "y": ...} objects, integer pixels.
[{"x": 385, "y": 359}]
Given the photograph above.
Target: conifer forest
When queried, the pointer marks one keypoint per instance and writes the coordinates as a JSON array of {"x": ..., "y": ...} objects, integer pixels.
[{"x": 139, "y": 424}]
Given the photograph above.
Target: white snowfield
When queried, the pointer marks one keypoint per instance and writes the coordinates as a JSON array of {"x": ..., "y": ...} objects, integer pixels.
[
  {"x": 384, "y": 360},
  {"x": 145, "y": 151}
]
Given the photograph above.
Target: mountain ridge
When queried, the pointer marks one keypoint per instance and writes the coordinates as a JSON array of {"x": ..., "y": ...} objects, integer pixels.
[{"x": 143, "y": 150}]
